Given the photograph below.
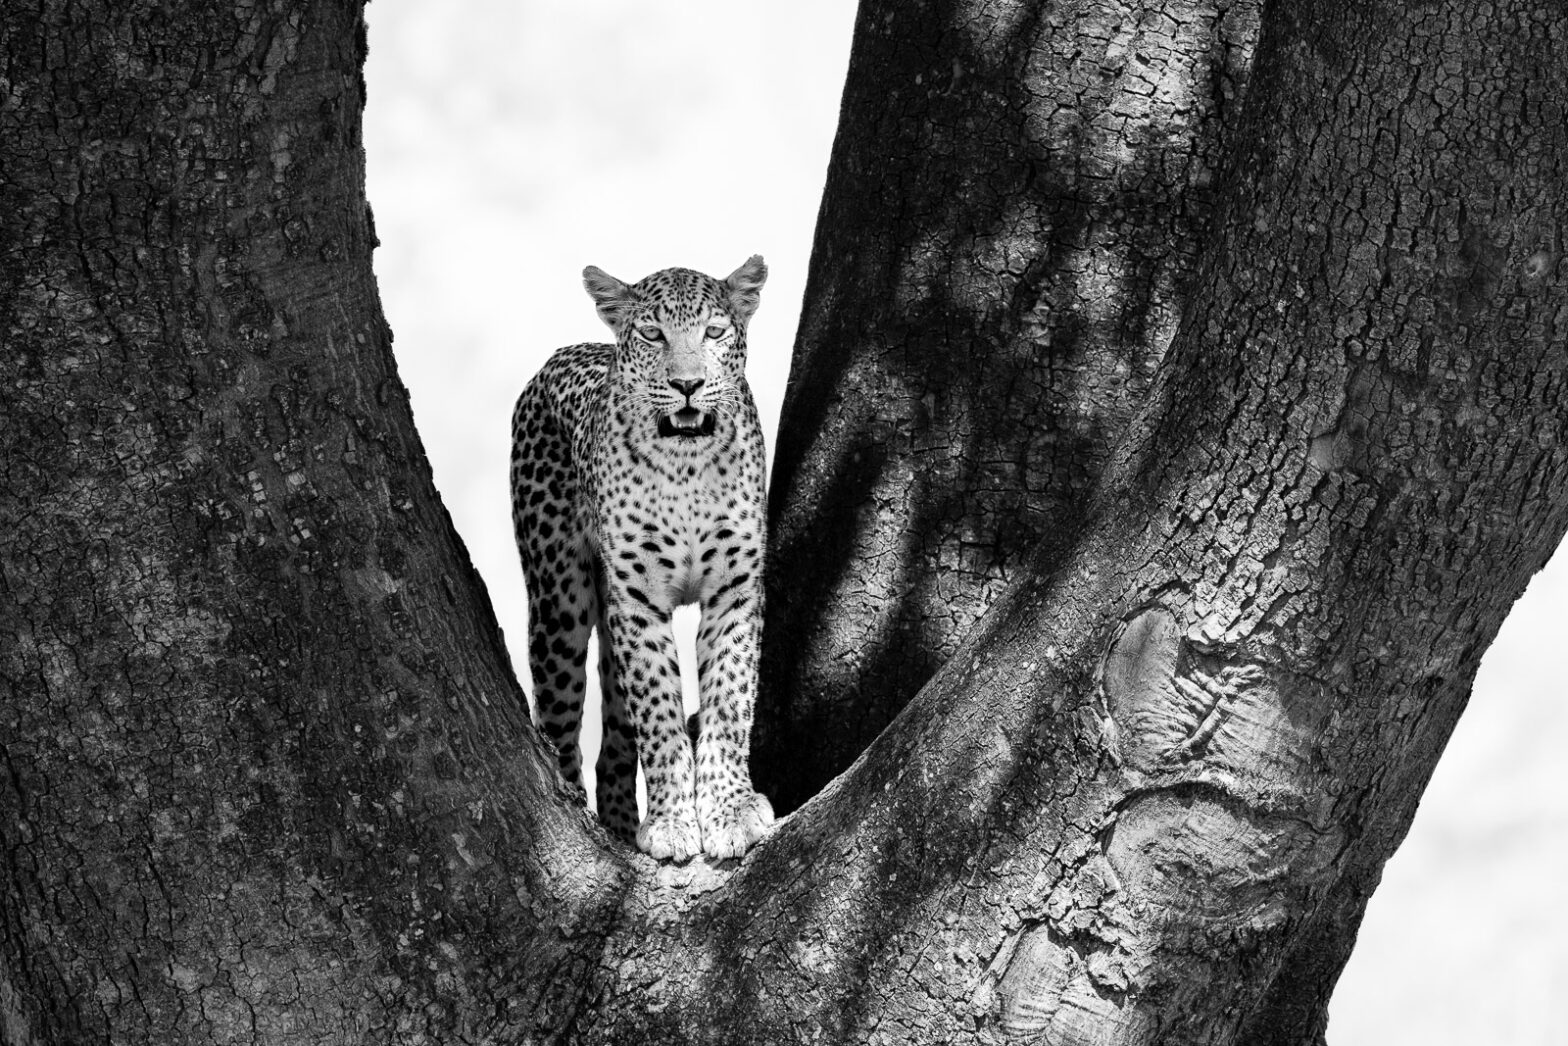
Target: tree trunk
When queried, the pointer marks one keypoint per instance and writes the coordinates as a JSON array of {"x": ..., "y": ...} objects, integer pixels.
[
  {"x": 1017, "y": 195},
  {"x": 266, "y": 774}
]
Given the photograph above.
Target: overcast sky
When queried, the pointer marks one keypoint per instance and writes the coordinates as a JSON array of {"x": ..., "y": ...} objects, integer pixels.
[{"x": 512, "y": 142}]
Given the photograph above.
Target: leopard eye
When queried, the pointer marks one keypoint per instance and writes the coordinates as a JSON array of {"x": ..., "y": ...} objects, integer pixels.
[
  {"x": 653, "y": 334},
  {"x": 716, "y": 333}
]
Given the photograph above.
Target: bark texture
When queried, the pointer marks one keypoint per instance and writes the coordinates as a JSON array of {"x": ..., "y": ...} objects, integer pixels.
[
  {"x": 266, "y": 776},
  {"x": 1365, "y": 407},
  {"x": 1016, "y": 198}
]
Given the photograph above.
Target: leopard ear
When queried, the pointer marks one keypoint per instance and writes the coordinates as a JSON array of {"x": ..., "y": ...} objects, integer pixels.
[
  {"x": 610, "y": 296},
  {"x": 745, "y": 287}
]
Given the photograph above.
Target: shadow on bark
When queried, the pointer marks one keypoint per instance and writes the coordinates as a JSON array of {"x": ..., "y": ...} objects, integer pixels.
[{"x": 934, "y": 447}]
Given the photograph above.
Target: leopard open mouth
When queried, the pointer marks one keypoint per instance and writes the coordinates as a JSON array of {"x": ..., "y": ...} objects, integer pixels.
[{"x": 688, "y": 422}]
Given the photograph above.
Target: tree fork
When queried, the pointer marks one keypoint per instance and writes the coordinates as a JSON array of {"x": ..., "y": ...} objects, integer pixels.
[{"x": 266, "y": 773}]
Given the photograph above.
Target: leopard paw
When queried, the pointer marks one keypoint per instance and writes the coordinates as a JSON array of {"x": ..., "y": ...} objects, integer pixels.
[
  {"x": 735, "y": 823},
  {"x": 671, "y": 836}
]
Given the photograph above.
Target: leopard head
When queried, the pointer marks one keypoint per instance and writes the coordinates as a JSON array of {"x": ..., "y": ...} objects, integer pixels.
[{"x": 680, "y": 342}]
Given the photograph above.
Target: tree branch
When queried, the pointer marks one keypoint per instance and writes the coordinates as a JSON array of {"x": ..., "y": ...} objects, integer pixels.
[{"x": 1017, "y": 195}]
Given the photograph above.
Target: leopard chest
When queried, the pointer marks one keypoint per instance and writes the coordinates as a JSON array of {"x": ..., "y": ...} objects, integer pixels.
[{"x": 678, "y": 526}]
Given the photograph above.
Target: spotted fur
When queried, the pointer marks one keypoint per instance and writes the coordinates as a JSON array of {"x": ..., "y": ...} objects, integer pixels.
[{"x": 637, "y": 487}]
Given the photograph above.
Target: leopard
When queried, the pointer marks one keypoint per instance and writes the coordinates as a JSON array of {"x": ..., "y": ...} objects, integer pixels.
[{"x": 637, "y": 478}]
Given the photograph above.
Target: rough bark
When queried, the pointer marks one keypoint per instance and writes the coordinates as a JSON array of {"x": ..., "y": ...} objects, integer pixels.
[
  {"x": 1417, "y": 237},
  {"x": 264, "y": 772},
  {"x": 1016, "y": 198}
]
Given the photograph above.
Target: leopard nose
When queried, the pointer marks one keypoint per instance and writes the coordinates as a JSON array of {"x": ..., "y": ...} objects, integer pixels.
[{"x": 686, "y": 386}]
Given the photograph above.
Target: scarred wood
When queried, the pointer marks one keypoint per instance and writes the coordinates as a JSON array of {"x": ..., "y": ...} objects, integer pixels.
[{"x": 1014, "y": 207}]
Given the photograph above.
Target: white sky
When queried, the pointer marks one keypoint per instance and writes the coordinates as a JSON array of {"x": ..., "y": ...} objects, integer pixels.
[{"x": 512, "y": 142}]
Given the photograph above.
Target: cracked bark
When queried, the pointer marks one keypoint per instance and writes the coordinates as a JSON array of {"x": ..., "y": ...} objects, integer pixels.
[
  {"x": 264, "y": 770},
  {"x": 264, "y": 762},
  {"x": 1013, "y": 209}
]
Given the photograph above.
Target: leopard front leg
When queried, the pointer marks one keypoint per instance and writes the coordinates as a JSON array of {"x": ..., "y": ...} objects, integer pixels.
[
  {"x": 731, "y": 814},
  {"x": 648, "y": 676}
]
